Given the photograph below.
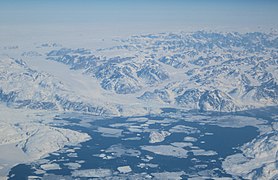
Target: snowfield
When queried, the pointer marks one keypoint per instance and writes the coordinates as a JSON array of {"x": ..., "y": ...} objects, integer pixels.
[{"x": 30, "y": 137}]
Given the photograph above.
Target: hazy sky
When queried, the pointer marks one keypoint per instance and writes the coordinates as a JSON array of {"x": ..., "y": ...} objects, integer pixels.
[
  {"x": 188, "y": 12},
  {"x": 135, "y": 15}
]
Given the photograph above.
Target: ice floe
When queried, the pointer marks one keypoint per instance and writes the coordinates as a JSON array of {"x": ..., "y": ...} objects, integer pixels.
[
  {"x": 124, "y": 169},
  {"x": 147, "y": 165},
  {"x": 182, "y": 144},
  {"x": 110, "y": 132},
  {"x": 119, "y": 150},
  {"x": 167, "y": 150},
  {"x": 132, "y": 139},
  {"x": 52, "y": 166},
  {"x": 190, "y": 139},
  {"x": 168, "y": 175},
  {"x": 184, "y": 129},
  {"x": 72, "y": 165},
  {"x": 92, "y": 173},
  {"x": 158, "y": 136},
  {"x": 201, "y": 152}
]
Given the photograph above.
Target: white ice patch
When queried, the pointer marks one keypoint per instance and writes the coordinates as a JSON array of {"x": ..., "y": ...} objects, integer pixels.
[
  {"x": 104, "y": 156},
  {"x": 39, "y": 171},
  {"x": 132, "y": 139},
  {"x": 72, "y": 165},
  {"x": 92, "y": 173},
  {"x": 120, "y": 125},
  {"x": 166, "y": 150},
  {"x": 137, "y": 119},
  {"x": 147, "y": 165},
  {"x": 33, "y": 177},
  {"x": 234, "y": 121},
  {"x": 119, "y": 151},
  {"x": 168, "y": 175},
  {"x": 208, "y": 134},
  {"x": 135, "y": 129},
  {"x": 158, "y": 136},
  {"x": 124, "y": 169},
  {"x": 48, "y": 167},
  {"x": 190, "y": 139},
  {"x": 110, "y": 132},
  {"x": 202, "y": 152},
  {"x": 184, "y": 129},
  {"x": 182, "y": 144},
  {"x": 72, "y": 155}
]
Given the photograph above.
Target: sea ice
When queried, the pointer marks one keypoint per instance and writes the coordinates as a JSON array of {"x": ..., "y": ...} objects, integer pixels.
[
  {"x": 124, "y": 169},
  {"x": 168, "y": 175},
  {"x": 119, "y": 150},
  {"x": 147, "y": 165},
  {"x": 158, "y": 136},
  {"x": 184, "y": 129},
  {"x": 202, "y": 152},
  {"x": 72, "y": 165},
  {"x": 92, "y": 173},
  {"x": 182, "y": 144},
  {"x": 167, "y": 150},
  {"x": 132, "y": 139},
  {"x": 110, "y": 132},
  {"x": 190, "y": 139},
  {"x": 48, "y": 167}
]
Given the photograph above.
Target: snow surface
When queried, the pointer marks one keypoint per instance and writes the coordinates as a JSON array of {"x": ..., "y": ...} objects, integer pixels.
[
  {"x": 260, "y": 155},
  {"x": 24, "y": 133}
]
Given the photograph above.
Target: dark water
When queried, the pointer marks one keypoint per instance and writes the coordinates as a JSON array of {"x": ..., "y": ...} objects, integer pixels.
[{"x": 222, "y": 140}]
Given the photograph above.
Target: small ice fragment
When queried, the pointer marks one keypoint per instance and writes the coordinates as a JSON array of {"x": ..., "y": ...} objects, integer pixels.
[{"x": 124, "y": 169}]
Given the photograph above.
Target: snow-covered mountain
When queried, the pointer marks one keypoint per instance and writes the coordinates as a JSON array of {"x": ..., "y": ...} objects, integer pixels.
[
  {"x": 200, "y": 70},
  {"x": 23, "y": 87}
]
